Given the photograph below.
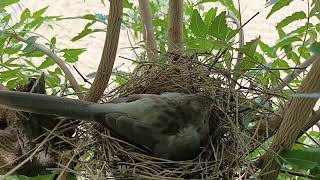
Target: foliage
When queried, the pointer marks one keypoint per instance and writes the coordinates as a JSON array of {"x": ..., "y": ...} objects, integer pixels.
[{"x": 206, "y": 31}]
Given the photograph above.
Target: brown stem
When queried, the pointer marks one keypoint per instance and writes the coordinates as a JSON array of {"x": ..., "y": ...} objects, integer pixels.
[
  {"x": 148, "y": 34},
  {"x": 293, "y": 122},
  {"x": 175, "y": 33},
  {"x": 101, "y": 81}
]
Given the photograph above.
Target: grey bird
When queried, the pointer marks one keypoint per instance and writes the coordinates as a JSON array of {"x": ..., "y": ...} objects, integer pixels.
[{"x": 172, "y": 125}]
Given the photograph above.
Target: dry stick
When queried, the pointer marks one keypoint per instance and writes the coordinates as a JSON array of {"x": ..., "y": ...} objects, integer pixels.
[
  {"x": 148, "y": 33},
  {"x": 175, "y": 32},
  {"x": 69, "y": 76},
  {"x": 293, "y": 122},
  {"x": 101, "y": 81}
]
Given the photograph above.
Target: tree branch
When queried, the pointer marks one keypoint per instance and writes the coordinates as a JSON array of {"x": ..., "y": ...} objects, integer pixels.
[
  {"x": 148, "y": 33},
  {"x": 101, "y": 81},
  {"x": 69, "y": 76}
]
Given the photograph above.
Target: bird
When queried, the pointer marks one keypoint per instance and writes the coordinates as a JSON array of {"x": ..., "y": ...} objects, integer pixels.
[{"x": 172, "y": 125}]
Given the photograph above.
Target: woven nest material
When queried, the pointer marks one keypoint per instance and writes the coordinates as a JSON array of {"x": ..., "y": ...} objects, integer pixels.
[{"x": 223, "y": 156}]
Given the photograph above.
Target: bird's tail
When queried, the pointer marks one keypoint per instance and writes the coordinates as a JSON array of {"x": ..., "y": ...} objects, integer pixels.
[{"x": 50, "y": 105}]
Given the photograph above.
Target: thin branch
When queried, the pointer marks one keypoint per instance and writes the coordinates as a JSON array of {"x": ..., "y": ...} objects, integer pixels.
[
  {"x": 84, "y": 79},
  {"x": 103, "y": 75},
  {"x": 69, "y": 76}
]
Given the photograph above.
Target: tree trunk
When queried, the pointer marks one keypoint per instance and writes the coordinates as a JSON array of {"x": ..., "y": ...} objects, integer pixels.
[
  {"x": 175, "y": 33},
  {"x": 293, "y": 122},
  {"x": 101, "y": 81}
]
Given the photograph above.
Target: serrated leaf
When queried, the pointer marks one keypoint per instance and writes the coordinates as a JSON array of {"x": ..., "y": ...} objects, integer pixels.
[
  {"x": 250, "y": 47},
  {"x": 294, "y": 17},
  {"x": 269, "y": 51},
  {"x": 46, "y": 63},
  {"x": 218, "y": 27},
  {"x": 72, "y": 55},
  {"x": 315, "y": 48},
  {"x": 82, "y": 34},
  {"x": 279, "y": 5},
  {"x": 101, "y": 17},
  {"x": 4, "y": 3},
  {"x": 210, "y": 15},
  {"x": 197, "y": 25}
]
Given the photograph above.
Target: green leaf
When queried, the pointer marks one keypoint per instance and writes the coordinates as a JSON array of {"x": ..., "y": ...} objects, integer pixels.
[
  {"x": 6, "y": 19},
  {"x": 89, "y": 17},
  {"x": 34, "y": 54},
  {"x": 45, "y": 64},
  {"x": 250, "y": 47},
  {"x": 13, "y": 49},
  {"x": 303, "y": 158},
  {"x": 9, "y": 74},
  {"x": 294, "y": 17},
  {"x": 39, "y": 13},
  {"x": 159, "y": 22},
  {"x": 279, "y": 5},
  {"x": 230, "y": 6},
  {"x": 197, "y": 25},
  {"x": 286, "y": 40},
  {"x": 4, "y": 3},
  {"x": 82, "y": 34},
  {"x": 53, "y": 40},
  {"x": 269, "y": 51},
  {"x": 127, "y": 4},
  {"x": 72, "y": 55},
  {"x": 30, "y": 41},
  {"x": 219, "y": 28},
  {"x": 25, "y": 15},
  {"x": 210, "y": 15},
  {"x": 315, "y": 48}
]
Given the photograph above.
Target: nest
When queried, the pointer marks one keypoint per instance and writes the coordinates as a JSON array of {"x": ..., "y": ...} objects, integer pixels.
[
  {"x": 98, "y": 154},
  {"x": 222, "y": 157}
]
